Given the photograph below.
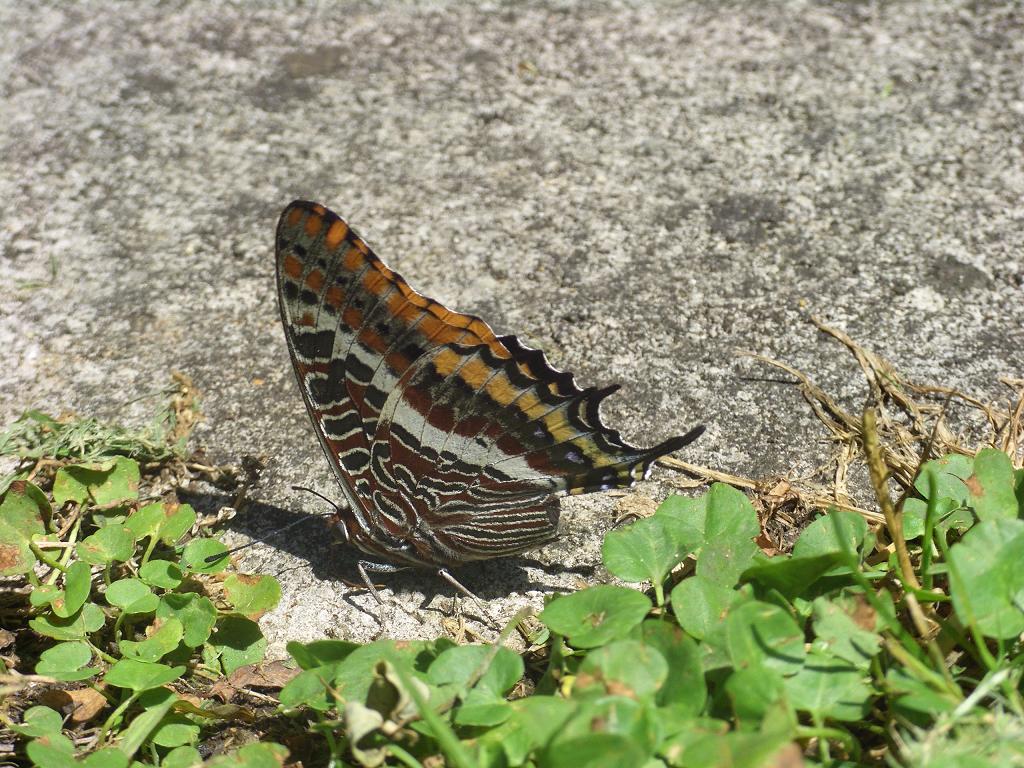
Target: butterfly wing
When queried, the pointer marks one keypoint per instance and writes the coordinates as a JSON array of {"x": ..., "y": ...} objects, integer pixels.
[
  {"x": 447, "y": 440},
  {"x": 476, "y": 444}
]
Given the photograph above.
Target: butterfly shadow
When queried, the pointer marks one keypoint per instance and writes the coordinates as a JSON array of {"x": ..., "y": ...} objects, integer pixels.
[
  {"x": 488, "y": 580},
  {"x": 316, "y": 540}
]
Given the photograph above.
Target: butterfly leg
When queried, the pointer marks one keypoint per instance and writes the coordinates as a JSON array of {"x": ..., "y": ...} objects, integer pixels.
[
  {"x": 367, "y": 566},
  {"x": 445, "y": 574}
]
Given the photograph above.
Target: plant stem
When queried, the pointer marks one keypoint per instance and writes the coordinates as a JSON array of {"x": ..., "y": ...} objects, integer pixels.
[
  {"x": 900, "y": 632},
  {"x": 823, "y": 733},
  {"x": 929, "y": 529},
  {"x": 109, "y": 722},
  {"x": 956, "y": 583},
  {"x": 920, "y": 669},
  {"x": 823, "y": 750},
  {"x": 332, "y": 745},
  {"x": 879, "y": 475},
  {"x": 42, "y": 557},
  {"x": 149, "y": 549},
  {"x": 404, "y": 757},
  {"x": 105, "y": 656}
]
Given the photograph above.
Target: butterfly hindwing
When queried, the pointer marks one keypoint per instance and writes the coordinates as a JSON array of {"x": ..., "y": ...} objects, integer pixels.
[{"x": 468, "y": 434}]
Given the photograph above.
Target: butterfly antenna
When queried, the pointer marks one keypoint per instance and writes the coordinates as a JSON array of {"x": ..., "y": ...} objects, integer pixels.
[
  {"x": 292, "y": 524},
  {"x": 337, "y": 507}
]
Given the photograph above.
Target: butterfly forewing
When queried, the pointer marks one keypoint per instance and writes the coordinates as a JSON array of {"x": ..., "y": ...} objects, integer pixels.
[{"x": 447, "y": 440}]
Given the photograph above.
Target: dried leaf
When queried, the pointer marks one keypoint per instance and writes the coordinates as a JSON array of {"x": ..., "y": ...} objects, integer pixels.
[
  {"x": 634, "y": 507},
  {"x": 81, "y": 704}
]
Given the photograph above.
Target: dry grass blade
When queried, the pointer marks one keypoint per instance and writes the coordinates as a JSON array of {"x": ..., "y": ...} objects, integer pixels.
[
  {"x": 706, "y": 473},
  {"x": 840, "y": 423},
  {"x": 910, "y": 428},
  {"x": 1012, "y": 431}
]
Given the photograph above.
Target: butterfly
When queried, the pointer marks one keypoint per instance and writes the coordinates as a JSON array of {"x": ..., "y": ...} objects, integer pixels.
[{"x": 449, "y": 442}]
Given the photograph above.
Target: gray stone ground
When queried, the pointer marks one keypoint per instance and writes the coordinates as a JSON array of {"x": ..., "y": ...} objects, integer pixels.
[{"x": 640, "y": 189}]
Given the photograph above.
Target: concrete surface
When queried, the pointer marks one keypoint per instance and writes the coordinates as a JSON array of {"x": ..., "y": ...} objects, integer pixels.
[{"x": 639, "y": 189}]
